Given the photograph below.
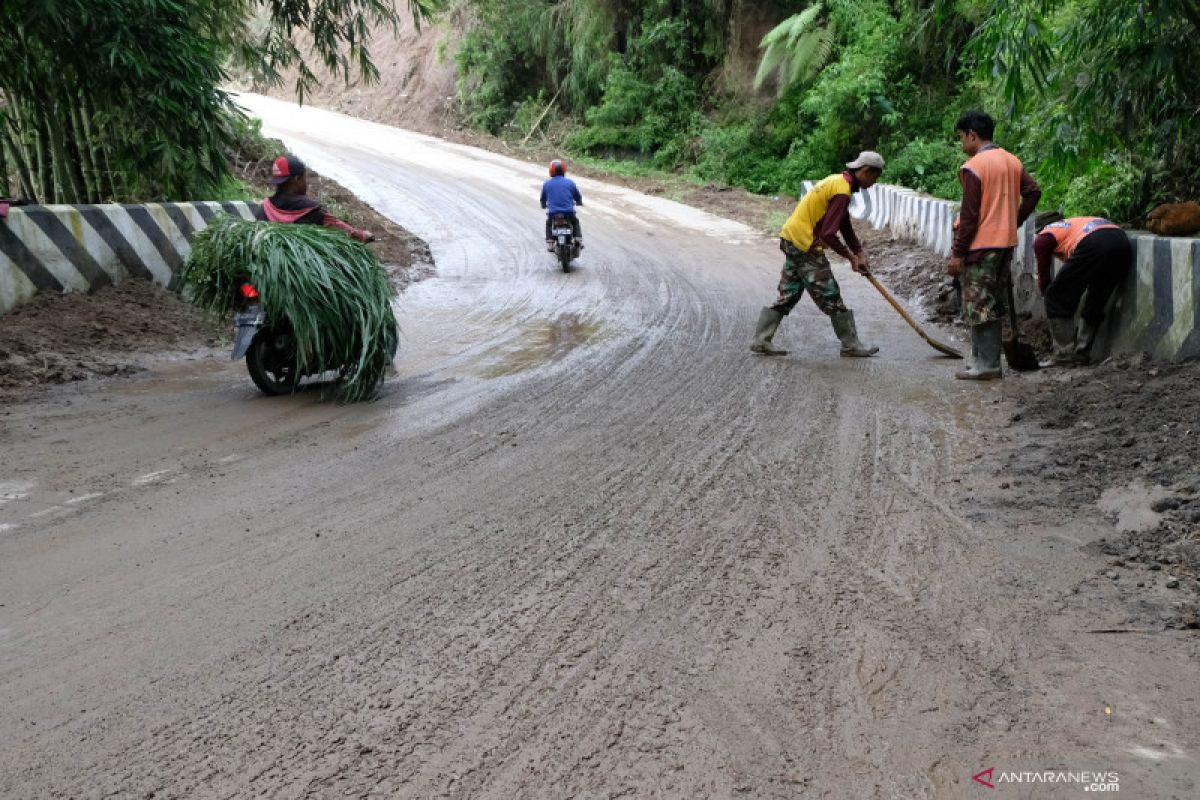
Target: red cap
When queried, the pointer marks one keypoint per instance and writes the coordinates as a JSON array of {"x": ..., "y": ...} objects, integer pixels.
[{"x": 285, "y": 168}]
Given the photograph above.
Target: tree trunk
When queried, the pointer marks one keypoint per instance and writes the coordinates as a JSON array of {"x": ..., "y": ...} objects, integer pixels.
[
  {"x": 4, "y": 184},
  {"x": 24, "y": 179},
  {"x": 87, "y": 167},
  {"x": 95, "y": 138},
  {"x": 67, "y": 175},
  {"x": 87, "y": 152},
  {"x": 116, "y": 184},
  {"x": 45, "y": 164},
  {"x": 25, "y": 138}
]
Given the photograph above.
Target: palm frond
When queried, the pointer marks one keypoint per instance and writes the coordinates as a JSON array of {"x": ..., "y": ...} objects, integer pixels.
[{"x": 795, "y": 49}]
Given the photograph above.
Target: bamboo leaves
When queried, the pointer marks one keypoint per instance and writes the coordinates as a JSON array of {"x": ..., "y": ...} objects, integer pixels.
[{"x": 121, "y": 99}]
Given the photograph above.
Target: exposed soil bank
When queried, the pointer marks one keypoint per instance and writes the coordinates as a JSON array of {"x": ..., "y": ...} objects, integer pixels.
[
  {"x": 1121, "y": 440},
  {"x": 59, "y": 338}
]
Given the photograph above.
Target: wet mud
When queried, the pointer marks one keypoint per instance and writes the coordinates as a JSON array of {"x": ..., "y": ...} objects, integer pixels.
[
  {"x": 1122, "y": 440},
  {"x": 114, "y": 331}
]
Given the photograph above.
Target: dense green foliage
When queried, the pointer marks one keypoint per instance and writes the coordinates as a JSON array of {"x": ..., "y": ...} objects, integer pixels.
[
  {"x": 122, "y": 99},
  {"x": 329, "y": 286},
  {"x": 1099, "y": 99}
]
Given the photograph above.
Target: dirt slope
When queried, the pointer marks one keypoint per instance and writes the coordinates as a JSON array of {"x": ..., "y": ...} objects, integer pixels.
[{"x": 417, "y": 85}]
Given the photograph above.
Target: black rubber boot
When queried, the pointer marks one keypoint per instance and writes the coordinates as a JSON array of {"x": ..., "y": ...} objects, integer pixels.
[
  {"x": 1062, "y": 335},
  {"x": 1084, "y": 341}
]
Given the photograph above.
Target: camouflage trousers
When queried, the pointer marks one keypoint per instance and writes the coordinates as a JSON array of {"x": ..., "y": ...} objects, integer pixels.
[
  {"x": 807, "y": 272},
  {"x": 985, "y": 286}
]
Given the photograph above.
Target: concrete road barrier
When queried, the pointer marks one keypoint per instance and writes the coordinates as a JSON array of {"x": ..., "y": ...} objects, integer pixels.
[{"x": 80, "y": 248}]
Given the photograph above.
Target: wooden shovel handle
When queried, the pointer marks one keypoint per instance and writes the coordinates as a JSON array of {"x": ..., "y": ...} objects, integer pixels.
[{"x": 936, "y": 345}]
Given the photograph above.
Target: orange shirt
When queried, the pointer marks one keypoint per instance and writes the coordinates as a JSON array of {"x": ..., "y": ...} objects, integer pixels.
[
  {"x": 1070, "y": 232},
  {"x": 1000, "y": 173}
]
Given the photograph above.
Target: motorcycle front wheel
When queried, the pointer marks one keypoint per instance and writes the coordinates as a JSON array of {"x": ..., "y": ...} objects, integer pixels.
[{"x": 271, "y": 362}]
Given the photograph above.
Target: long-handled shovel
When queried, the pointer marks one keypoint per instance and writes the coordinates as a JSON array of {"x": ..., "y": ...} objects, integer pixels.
[
  {"x": 1020, "y": 355},
  {"x": 934, "y": 343}
]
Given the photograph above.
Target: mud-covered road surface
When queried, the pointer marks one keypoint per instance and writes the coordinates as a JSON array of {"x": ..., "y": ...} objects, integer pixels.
[{"x": 584, "y": 546}]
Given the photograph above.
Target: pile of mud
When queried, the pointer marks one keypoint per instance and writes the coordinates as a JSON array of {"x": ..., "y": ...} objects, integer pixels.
[
  {"x": 59, "y": 338},
  {"x": 406, "y": 257},
  {"x": 912, "y": 272},
  {"x": 1126, "y": 436}
]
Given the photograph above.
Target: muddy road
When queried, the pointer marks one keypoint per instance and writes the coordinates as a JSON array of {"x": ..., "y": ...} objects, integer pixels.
[{"x": 583, "y": 546}]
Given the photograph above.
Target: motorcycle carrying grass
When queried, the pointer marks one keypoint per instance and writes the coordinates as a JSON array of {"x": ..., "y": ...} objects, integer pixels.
[{"x": 330, "y": 287}]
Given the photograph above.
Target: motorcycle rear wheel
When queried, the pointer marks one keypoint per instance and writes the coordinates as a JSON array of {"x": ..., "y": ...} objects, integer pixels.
[
  {"x": 564, "y": 257},
  {"x": 271, "y": 362}
]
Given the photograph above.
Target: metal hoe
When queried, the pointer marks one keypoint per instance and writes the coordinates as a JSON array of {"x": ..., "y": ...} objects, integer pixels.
[{"x": 934, "y": 343}]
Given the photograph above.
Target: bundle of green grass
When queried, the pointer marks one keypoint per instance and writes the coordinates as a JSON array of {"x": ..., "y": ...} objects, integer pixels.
[{"x": 330, "y": 287}]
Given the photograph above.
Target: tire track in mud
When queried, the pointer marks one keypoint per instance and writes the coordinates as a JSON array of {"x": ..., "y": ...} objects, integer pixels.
[{"x": 712, "y": 553}]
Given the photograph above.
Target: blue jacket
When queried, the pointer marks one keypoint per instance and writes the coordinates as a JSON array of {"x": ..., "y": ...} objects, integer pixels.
[{"x": 559, "y": 195}]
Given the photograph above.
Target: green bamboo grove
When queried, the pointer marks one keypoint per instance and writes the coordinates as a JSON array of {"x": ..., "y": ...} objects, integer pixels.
[
  {"x": 104, "y": 100},
  {"x": 123, "y": 99}
]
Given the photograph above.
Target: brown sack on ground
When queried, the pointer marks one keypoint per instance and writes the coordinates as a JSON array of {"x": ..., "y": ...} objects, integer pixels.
[{"x": 1175, "y": 219}]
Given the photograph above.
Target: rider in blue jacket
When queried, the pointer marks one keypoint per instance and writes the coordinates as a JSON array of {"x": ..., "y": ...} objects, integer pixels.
[{"x": 560, "y": 195}]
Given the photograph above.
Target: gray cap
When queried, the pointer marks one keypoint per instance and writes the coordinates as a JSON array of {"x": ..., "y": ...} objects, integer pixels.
[{"x": 867, "y": 158}]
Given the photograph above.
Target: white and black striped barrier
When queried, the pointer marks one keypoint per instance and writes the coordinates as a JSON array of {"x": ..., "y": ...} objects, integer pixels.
[{"x": 80, "y": 248}]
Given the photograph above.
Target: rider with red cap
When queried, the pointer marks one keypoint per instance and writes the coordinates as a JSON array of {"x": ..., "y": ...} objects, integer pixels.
[
  {"x": 560, "y": 195},
  {"x": 291, "y": 203}
]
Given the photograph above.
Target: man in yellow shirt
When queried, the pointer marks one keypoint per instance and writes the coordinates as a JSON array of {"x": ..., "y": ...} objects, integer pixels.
[{"x": 819, "y": 217}]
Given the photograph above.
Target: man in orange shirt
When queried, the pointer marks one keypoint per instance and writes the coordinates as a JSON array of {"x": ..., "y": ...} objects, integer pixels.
[
  {"x": 998, "y": 196},
  {"x": 1096, "y": 255}
]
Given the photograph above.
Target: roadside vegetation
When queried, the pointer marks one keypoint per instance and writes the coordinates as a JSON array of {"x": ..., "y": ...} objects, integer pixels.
[
  {"x": 1098, "y": 98},
  {"x": 122, "y": 100}
]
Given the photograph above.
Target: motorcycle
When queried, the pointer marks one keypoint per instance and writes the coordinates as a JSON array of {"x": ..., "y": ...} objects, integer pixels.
[
  {"x": 269, "y": 347},
  {"x": 566, "y": 246},
  {"x": 269, "y": 350}
]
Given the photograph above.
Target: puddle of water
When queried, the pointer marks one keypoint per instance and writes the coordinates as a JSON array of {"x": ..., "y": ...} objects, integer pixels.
[{"x": 543, "y": 342}]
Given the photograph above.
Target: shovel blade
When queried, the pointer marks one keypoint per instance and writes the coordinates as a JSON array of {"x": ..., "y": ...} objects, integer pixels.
[{"x": 1020, "y": 356}]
